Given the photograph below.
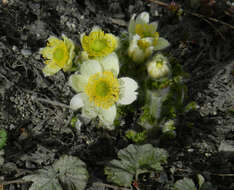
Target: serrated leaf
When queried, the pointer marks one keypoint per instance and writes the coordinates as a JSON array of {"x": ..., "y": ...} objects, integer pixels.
[
  {"x": 185, "y": 184},
  {"x": 208, "y": 186},
  {"x": 72, "y": 172},
  {"x": 44, "y": 179},
  {"x": 68, "y": 173},
  {"x": 134, "y": 160}
]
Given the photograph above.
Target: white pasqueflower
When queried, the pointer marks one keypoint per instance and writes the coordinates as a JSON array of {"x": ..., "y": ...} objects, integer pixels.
[
  {"x": 158, "y": 67},
  {"x": 99, "y": 89},
  {"x": 144, "y": 38}
]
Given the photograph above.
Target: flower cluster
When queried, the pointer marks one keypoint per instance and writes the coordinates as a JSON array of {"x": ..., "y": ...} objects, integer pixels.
[
  {"x": 99, "y": 89},
  {"x": 143, "y": 38}
]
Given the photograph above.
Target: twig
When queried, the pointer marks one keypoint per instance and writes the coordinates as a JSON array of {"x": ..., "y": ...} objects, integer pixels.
[
  {"x": 160, "y": 3},
  {"x": 210, "y": 18},
  {"x": 50, "y": 102},
  {"x": 214, "y": 28},
  {"x": 195, "y": 14},
  {"x": 13, "y": 181},
  {"x": 111, "y": 186},
  {"x": 223, "y": 175}
]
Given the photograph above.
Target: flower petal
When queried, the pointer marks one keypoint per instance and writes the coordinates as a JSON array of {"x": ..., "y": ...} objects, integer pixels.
[
  {"x": 107, "y": 116},
  {"x": 134, "y": 50},
  {"x": 90, "y": 67},
  {"x": 138, "y": 55},
  {"x": 133, "y": 45},
  {"x": 50, "y": 69},
  {"x": 155, "y": 25},
  {"x": 128, "y": 89},
  {"x": 76, "y": 102},
  {"x": 142, "y": 18},
  {"x": 110, "y": 63},
  {"x": 78, "y": 82},
  {"x": 53, "y": 41},
  {"x": 96, "y": 28},
  {"x": 46, "y": 52},
  {"x": 89, "y": 110},
  {"x": 71, "y": 51},
  {"x": 81, "y": 36},
  {"x": 161, "y": 44},
  {"x": 131, "y": 26}
]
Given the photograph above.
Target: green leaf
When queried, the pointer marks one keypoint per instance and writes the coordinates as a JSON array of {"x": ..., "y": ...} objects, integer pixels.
[
  {"x": 136, "y": 136},
  {"x": 200, "y": 180},
  {"x": 185, "y": 184},
  {"x": 3, "y": 138},
  {"x": 208, "y": 186},
  {"x": 134, "y": 160},
  {"x": 44, "y": 179},
  {"x": 190, "y": 106},
  {"x": 72, "y": 172},
  {"x": 68, "y": 173}
]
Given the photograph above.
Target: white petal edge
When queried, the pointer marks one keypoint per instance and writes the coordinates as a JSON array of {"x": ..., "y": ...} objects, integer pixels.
[
  {"x": 107, "y": 116},
  {"x": 155, "y": 24},
  {"x": 50, "y": 69},
  {"x": 81, "y": 36},
  {"x": 142, "y": 18},
  {"x": 89, "y": 110},
  {"x": 133, "y": 45},
  {"x": 96, "y": 28},
  {"x": 76, "y": 102},
  {"x": 128, "y": 89},
  {"x": 90, "y": 67},
  {"x": 131, "y": 26},
  {"x": 78, "y": 82},
  {"x": 161, "y": 44},
  {"x": 110, "y": 63}
]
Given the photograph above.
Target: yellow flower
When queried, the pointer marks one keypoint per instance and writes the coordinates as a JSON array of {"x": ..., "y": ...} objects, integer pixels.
[
  {"x": 58, "y": 54},
  {"x": 99, "y": 44}
]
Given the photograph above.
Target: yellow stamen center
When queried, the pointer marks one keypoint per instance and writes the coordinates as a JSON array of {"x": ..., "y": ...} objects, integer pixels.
[
  {"x": 159, "y": 64},
  {"x": 103, "y": 89},
  {"x": 145, "y": 30},
  {"x": 99, "y": 44},
  {"x": 156, "y": 37},
  {"x": 58, "y": 54},
  {"x": 143, "y": 44}
]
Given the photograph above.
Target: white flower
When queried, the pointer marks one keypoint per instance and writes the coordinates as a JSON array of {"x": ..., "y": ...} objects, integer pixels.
[
  {"x": 158, "y": 67},
  {"x": 143, "y": 38},
  {"x": 99, "y": 89}
]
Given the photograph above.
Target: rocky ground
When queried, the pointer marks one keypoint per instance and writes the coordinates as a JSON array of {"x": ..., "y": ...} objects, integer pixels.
[{"x": 34, "y": 111}]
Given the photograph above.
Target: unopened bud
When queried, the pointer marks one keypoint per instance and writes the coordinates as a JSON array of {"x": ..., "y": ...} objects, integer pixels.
[{"x": 158, "y": 67}]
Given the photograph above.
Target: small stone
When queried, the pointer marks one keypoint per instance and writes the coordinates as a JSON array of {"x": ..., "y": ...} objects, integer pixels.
[
  {"x": 26, "y": 52},
  {"x": 14, "y": 48},
  {"x": 227, "y": 146}
]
